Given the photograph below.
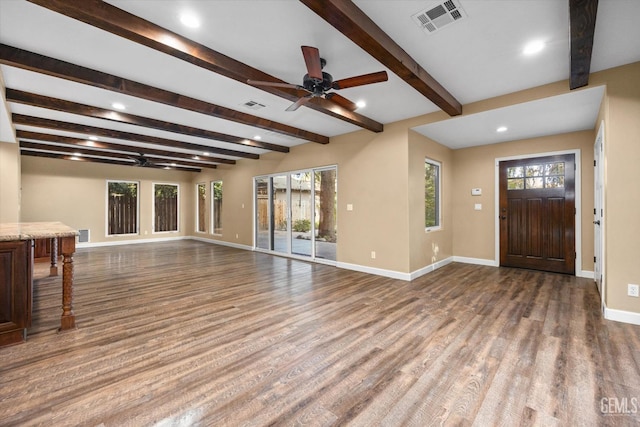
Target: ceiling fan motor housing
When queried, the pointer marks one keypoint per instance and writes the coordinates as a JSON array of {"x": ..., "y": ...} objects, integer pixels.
[{"x": 315, "y": 86}]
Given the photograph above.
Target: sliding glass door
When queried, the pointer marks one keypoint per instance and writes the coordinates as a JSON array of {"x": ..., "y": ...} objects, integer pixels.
[
  {"x": 326, "y": 208},
  {"x": 301, "y": 218},
  {"x": 280, "y": 213},
  {"x": 296, "y": 215},
  {"x": 262, "y": 213}
]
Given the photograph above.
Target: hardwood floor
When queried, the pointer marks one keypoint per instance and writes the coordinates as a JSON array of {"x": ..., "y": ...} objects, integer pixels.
[{"x": 189, "y": 333}]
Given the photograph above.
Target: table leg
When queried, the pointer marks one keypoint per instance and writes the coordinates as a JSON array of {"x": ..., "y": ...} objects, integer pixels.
[
  {"x": 53, "y": 270},
  {"x": 68, "y": 320}
]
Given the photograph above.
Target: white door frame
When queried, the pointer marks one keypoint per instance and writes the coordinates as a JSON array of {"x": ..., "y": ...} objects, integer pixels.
[
  {"x": 578, "y": 204},
  {"x": 598, "y": 202}
]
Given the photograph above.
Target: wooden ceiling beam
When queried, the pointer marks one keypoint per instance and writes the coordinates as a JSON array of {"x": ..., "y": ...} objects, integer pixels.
[
  {"x": 41, "y": 101},
  {"x": 20, "y": 119},
  {"x": 31, "y": 61},
  {"x": 28, "y": 152},
  {"x": 99, "y": 148},
  {"x": 83, "y": 143},
  {"x": 582, "y": 22},
  {"x": 347, "y": 18},
  {"x": 131, "y": 27},
  {"x": 87, "y": 151}
]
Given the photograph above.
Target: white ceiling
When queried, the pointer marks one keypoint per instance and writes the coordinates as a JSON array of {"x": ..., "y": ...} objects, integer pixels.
[
  {"x": 476, "y": 58},
  {"x": 570, "y": 112}
]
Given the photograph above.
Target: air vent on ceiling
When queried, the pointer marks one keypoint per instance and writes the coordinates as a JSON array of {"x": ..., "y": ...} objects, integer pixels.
[
  {"x": 253, "y": 105},
  {"x": 439, "y": 16}
]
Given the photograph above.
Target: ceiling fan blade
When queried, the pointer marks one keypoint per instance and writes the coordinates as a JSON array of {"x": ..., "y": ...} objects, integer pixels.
[
  {"x": 341, "y": 101},
  {"x": 300, "y": 102},
  {"x": 312, "y": 60},
  {"x": 273, "y": 84},
  {"x": 365, "y": 79}
]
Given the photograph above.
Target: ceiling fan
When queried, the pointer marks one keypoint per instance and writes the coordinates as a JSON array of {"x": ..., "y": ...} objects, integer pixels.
[
  {"x": 142, "y": 161},
  {"x": 318, "y": 83}
]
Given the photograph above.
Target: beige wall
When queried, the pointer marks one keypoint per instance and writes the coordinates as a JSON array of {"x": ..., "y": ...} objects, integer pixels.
[
  {"x": 75, "y": 194},
  {"x": 9, "y": 182},
  {"x": 427, "y": 248},
  {"x": 622, "y": 195}
]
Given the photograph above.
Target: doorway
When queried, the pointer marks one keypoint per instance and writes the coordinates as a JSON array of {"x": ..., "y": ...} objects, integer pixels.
[
  {"x": 598, "y": 213},
  {"x": 296, "y": 214},
  {"x": 537, "y": 213}
]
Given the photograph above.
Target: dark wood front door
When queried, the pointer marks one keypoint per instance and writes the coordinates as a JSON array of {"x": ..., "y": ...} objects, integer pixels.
[{"x": 537, "y": 213}]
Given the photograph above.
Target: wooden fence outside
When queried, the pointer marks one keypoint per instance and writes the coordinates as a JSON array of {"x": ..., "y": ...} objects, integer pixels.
[
  {"x": 166, "y": 214},
  {"x": 123, "y": 214}
]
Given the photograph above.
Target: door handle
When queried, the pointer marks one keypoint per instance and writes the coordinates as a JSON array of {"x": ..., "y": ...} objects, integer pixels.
[
  {"x": 503, "y": 217},
  {"x": 597, "y": 222}
]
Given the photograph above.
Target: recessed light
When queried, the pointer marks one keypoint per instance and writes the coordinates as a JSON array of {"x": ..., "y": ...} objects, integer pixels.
[
  {"x": 257, "y": 137},
  {"x": 533, "y": 47},
  {"x": 77, "y": 154},
  {"x": 205, "y": 153},
  {"x": 502, "y": 129},
  {"x": 196, "y": 158},
  {"x": 118, "y": 106},
  {"x": 361, "y": 104},
  {"x": 173, "y": 164},
  {"x": 190, "y": 20},
  {"x": 93, "y": 138}
]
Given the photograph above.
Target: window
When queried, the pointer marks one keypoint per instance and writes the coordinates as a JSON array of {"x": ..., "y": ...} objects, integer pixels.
[
  {"x": 201, "y": 208},
  {"x": 122, "y": 207},
  {"x": 536, "y": 176},
  {"x": 432, "y": 186},
  {"x": 216, "y": 207},
  {"x": 165, "y": 207}
]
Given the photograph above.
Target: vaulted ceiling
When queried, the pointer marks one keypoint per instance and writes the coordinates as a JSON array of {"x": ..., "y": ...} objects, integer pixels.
[{"x": 186, "y": 103}]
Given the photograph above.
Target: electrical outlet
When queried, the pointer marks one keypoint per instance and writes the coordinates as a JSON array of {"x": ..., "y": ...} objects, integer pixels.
[
  {"x": 633, "y": 290},
  {"x": 373, "y": 254}
]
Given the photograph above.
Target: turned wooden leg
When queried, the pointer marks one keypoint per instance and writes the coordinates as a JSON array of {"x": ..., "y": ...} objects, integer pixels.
[
  {"x": 68, "y": 320},
  {"x": 53, "y": 270}
]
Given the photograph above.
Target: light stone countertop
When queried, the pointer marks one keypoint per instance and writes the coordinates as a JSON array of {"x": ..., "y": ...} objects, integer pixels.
[{"x": 34, "y": 230}]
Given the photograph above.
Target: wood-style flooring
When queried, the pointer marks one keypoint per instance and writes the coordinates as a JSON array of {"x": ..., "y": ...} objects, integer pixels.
[{"x": 189, "y": 333}]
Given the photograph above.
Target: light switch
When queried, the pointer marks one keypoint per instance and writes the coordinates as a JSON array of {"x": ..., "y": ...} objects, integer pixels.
[
  {"x": 349, "y": 207},
  {"x": 476, "y": 191},
  {"x": 478, "y": 206}
]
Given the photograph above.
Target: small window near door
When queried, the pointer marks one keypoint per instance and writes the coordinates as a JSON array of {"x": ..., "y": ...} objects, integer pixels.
[
  {"x": 432, "y": 191},
  {"x": 536, "y": 176},
  {"x": 165, "y": 207}
]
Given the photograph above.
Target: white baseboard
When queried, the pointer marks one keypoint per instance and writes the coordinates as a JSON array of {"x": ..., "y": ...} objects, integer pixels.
[
  {"x": 129, "y": 242},
  {"x": 160, "y": 239},
  {"x": 429, "y": 268},
  {"x": 377, "y": 271},
  {"x": 395, "y": 274},
  {"x": 476, "y": 261},
  {"x": 220, "y": 242},
  {"x": 586, "y": 274},
  {"x": 622, "y": 316}
]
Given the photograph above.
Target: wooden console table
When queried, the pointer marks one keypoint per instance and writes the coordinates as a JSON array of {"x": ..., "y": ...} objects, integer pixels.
[{"x": 16, "y": 275}]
